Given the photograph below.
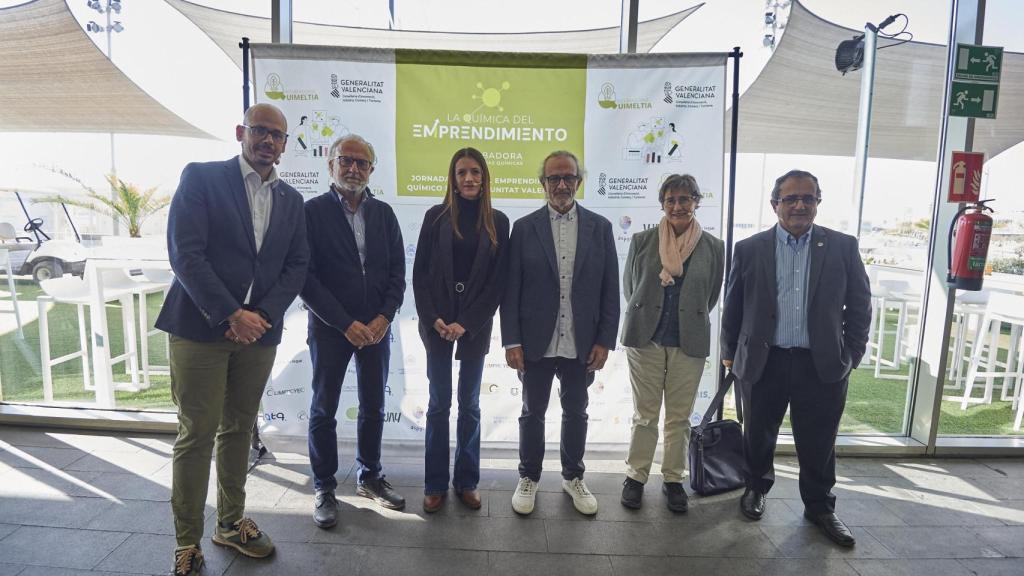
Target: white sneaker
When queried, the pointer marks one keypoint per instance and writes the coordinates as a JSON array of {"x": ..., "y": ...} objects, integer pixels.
[
  {"x": 524, "y": 496},
  {"x": 582, "y": 499}
]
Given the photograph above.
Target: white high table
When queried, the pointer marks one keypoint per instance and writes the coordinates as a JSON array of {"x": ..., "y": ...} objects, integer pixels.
[{"x": 103, "y": 376}]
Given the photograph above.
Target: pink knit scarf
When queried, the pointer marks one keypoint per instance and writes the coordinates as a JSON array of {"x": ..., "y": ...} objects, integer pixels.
[{"x": 674, "y": 250}]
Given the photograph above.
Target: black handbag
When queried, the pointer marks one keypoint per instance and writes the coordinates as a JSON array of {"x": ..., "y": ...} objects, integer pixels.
[{"x": 716, "y": 449}]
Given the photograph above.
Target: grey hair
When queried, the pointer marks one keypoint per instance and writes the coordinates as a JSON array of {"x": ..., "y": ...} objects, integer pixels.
[
  {"x": 353, "y": 138},
  {"x": 683, "y": 182},
  {"x": 560, "y": 154},
  {"x": 794, "y": 174}
]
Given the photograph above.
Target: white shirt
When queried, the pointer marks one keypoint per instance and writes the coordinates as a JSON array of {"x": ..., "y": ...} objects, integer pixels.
[{"x": 261, "y": 201}]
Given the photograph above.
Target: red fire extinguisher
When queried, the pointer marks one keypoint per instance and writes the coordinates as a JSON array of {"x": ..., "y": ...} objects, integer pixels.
[{"x": 972, "y": 229}]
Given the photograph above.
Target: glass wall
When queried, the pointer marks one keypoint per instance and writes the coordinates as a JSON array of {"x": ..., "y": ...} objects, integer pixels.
[
  {"x": 49, "y": 323},
  {"x": 986, "y": 366},
  {"x": 47, "y": 244}
]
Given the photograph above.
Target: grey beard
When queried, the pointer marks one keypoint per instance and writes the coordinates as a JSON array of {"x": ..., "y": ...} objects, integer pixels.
[{"x": 345, "y": 186}]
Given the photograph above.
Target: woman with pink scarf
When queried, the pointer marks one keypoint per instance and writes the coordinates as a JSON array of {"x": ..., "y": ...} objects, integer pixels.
[{"x": 671, "y": 281}]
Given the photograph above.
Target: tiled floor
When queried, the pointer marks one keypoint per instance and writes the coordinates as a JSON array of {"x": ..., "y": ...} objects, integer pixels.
[{"x": 77, "y": 504}]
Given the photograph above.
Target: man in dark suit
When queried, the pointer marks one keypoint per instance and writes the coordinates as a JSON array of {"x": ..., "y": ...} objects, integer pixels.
[
  {"x": 236, "y": 238},
  {"x": 796, "y": 320},
  {"x": 355, "y": 285},
  {"x": 559, "y": 317}
]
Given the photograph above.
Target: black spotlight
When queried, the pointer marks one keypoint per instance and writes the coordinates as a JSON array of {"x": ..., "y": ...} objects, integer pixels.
[{"x": 850, "y": 54}]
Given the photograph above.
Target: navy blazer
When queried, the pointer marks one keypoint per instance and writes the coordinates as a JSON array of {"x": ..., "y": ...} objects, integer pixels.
[
  {"x": 212, "y": 248},
  {"x": 433, "y": 283},
  {"x": 339, "y": 289},
  {"x": 529, "y": 309},
  {"x": 838, "y": 307}
]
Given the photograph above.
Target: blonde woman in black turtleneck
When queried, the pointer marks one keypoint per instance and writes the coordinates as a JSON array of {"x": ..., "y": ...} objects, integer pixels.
[{"x": 457, "y": 280}]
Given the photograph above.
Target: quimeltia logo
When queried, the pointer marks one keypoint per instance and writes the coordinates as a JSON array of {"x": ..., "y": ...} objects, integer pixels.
[
  {"x": 668, "y": 92},
  {"x": 334, "y": 86},
  {"x": 602, "y": 178},
  {"x": 608, "y": 99},
  {"x": 274, "y": 88}
]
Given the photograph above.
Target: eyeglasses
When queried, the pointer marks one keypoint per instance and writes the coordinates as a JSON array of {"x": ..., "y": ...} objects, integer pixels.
[
  {"x": 347, "y": 161},
  {"x": 807, "y": 199},
  {"x": 260, "y": 132},
  {"x": 570, "y": 180},
  {"x": 673, "y": 200}
]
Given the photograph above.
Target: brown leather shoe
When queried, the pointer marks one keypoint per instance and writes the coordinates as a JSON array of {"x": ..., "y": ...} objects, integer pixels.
[
  {"x": 433, "y": 502},
  {"x": 471, "y": 498}
]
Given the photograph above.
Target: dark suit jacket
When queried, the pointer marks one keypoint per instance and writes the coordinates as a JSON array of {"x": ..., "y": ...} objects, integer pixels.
[
  {"x": 702, "y": 285},
  {"x": 529, "y": 308},
  {"x": 838, "y": 307},
  {"x": 339, "y": 289},
  {"x": 433, "y": 284},
  {"x": 212, "y": 248}
]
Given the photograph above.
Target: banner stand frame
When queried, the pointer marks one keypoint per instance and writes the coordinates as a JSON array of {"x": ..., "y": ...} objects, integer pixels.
[
  {"x": 735, "y": 55},
  {"x": 259, "y": 449}
]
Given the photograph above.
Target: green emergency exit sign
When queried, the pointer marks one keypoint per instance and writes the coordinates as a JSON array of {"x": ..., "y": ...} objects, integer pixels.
[{"x": 974, "y": 92}]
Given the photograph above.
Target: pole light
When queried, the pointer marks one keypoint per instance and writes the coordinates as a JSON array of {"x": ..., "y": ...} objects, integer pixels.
[
  {"x": 108, "y": 7},
  {"x": 854, "y": 54}
]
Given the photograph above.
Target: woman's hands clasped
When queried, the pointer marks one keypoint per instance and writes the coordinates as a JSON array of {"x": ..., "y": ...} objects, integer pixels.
[{"x": 450, "y": 332}]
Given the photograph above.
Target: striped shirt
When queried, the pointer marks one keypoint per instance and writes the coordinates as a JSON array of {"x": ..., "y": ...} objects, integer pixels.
[
  {"x": 792, "y": 266},
  {"x": 357, "y": 222},
  {"x": 564, "y": 230}
]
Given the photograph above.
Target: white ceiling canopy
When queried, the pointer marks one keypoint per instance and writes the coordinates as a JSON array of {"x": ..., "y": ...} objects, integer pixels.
[
  {"x": 800, "y": 104},
  {"x": 227, "y": 29},
  {"x": 54, "y": 79}
]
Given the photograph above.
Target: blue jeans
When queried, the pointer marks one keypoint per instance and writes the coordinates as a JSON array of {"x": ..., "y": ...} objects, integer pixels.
[
  {"x": 330, "y": 356},
  {"x": 467, "y": 442}
]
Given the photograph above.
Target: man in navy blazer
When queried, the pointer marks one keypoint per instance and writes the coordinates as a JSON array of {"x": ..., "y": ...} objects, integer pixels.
[
  {"x": 559, "y": 317},
  {"x": 355, "y": 286},
  {"x": 795, "y": 323},
  {"x": 237, "y": 244}
]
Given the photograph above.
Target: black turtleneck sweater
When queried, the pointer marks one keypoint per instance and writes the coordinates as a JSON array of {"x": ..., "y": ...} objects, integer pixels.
[{"x": 464, "y": 250}]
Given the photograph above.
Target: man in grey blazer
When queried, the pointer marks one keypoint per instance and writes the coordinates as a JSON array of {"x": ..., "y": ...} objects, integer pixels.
[
  {"x": 795, "y": 323},
  {"x": 559, "y": 317}
]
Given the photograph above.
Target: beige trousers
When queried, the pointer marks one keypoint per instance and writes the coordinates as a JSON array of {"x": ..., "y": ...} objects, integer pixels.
[{"x": 656, "y": 372}]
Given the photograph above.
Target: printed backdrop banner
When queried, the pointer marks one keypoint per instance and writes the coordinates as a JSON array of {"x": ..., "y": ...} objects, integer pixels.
[{"x": 631, "y": 119}]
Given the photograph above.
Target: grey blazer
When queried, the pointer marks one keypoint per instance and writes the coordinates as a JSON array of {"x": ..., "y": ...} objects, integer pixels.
[
  {"x": 838, "y": 307},
  {"x": 697, "y": 296},
  {"x": 529, "y": 308}
]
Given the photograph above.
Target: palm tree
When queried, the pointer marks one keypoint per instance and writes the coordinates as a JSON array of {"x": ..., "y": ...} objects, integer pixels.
[{"x": 129, "y": 205}]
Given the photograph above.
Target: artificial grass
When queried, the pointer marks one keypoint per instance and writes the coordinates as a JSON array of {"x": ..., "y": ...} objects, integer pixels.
[
  {"x": 20, "y": 372},
  {"x": 873, "y": 406}
]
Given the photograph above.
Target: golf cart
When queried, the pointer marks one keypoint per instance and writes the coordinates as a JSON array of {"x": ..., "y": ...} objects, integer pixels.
[{"x": 42, "y": 257}]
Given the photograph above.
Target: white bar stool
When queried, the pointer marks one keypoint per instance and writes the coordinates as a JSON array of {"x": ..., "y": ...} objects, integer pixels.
[
  {"x": 890, "y": 294},
  {"x": 151, "y": 281},
  {"x": 967, "y": 314},
  {"x": 72, "y": 290},
  {"x": 1002, "y": 308}
]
